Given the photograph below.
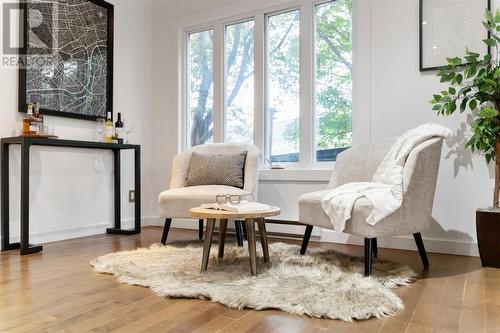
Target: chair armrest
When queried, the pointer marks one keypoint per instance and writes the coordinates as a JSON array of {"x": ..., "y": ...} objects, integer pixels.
[
  {"x": 252, "y": 165},
  {"x": 421, "y": 171},
  {"x": 423, "y": 162},
  {"x": 180, "y": 169}
]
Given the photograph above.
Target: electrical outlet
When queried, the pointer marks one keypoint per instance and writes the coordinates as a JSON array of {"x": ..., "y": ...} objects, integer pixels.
[{"x": 131, "y": 196}]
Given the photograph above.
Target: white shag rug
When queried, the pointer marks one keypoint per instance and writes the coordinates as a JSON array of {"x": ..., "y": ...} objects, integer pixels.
[{"x": 322, "y": 283}]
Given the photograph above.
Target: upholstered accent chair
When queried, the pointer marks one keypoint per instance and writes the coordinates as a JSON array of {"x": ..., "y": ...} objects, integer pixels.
[
  {"x": 179, "y": 199},
  {"x": 358, "y": 164}
]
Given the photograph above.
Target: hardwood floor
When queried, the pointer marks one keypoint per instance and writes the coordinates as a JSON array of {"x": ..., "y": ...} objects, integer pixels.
[{"x": 57, "y": 291}]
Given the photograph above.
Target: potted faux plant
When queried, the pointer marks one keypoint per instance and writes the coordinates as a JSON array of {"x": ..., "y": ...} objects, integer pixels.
[{"x": 475, "y": 88}]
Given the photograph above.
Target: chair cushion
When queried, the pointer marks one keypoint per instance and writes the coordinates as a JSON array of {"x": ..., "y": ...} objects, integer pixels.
[
  {"x": 311, "y": 213},
  {"x": 221, "y": 169},
  {"x": 176, "y": 203}
]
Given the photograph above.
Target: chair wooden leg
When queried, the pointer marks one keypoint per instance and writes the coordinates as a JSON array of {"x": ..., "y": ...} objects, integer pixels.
[
  {"x": 245, "y": 233},
  {"x": 200, "y": 228},
  {"x": 368, "y": 256},
  {"x": 263, "y": 238},
  {"x": 305, "y": 240},
  {"x": 239, "y": 232},
  {"x": 222, "y": 238},
  {"x": 166, "y": 229},
  {"x": 375, "y": 247},
  {"x": 421, "y": 249},
  {"x": 250, "y": 227},
  {"x": 207, "y": 244}
]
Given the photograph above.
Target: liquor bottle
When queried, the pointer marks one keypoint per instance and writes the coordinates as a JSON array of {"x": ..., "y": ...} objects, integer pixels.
[
  {"x": 119, "y": 127},
  {"x": 108, "y": 128},
  {"x": 28, "y": 122},
  {"x": 38, "y": 118}
]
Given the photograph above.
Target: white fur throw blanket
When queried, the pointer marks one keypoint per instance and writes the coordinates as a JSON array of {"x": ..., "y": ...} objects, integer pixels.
[{"x": 386, "y": 189}]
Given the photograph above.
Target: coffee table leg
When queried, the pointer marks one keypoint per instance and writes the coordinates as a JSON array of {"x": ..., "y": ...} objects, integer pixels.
[
  {"x": 222, "y": 238},
  {"x": 208, "y": 243},
  {"x": 250, "y": 227},
  {"x": 263, "y": 238}
]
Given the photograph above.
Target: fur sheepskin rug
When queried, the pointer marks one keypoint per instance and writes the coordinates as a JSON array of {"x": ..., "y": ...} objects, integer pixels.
[{"x": 322, "y": 283}]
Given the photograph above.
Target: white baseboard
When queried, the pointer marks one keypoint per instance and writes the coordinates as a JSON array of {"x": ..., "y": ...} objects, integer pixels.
[
  {"x": 176, "y": 223},
  {"x": 151, "y": 221},
  {"x": 406, "y": 243},
  {"x": 62, "y": 234},
  {"x": 180, "y": 223},
  {"x": 77, "y": 232},
  {"x": 327, "y": 236},
  {"x": 330, "y": 236}
]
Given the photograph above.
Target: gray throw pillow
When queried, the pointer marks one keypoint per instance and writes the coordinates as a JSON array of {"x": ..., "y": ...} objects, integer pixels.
[{"x": 224, "y": 169}]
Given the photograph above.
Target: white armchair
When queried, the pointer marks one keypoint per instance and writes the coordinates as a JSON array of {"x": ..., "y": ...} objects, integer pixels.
[
  {"x": 358, "y": 164},
  {"x": 179, "y": 199}
]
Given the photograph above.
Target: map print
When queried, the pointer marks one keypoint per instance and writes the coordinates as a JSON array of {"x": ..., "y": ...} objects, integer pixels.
[{"x": 67, "y": 56}]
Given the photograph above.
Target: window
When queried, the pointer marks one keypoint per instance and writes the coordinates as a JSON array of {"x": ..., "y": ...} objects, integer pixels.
[
  {"x": 281, "y": 79},
  {"x": 283, "y": 87},
  {"x": 200, "y": 86},
  {"x": 239, "y": 82},
  {"x": 333, "y": 79}
]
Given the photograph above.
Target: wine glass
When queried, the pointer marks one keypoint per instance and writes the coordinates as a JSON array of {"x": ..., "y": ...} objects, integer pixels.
[
  {"x": 100, "y": 128},
  {"x": 128, "y": 127}
]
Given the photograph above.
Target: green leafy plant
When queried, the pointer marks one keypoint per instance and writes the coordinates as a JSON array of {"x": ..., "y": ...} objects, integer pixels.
[{"x": 475, "y": 87}]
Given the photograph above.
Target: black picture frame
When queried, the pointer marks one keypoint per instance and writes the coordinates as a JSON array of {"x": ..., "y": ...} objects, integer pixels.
[
  {"x": 422, "y": 67},
  {"x": 22, "y": 84}
]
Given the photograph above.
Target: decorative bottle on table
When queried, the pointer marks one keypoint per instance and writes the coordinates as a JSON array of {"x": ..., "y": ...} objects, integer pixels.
[
  {"x": 108, "y": 128},
  {"x": 38, "y": 118},
  {"x": 119, "y": 132},
  {"x": 29, "y": 124}
]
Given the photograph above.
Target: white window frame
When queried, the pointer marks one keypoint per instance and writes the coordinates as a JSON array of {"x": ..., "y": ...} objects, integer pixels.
[
  {"x": 186, "y": 89},
  {"x": 266, "y": 148},
  {"x": 315, "y": 120},
  {"x": 360, "y": 77}
]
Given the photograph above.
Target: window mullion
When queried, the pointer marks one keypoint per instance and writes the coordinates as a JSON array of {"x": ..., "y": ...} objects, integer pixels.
[
  {"x": 306, "y": 85},
  {"x": 218, "y": 82},
  {"x": 259, "y": 82}
]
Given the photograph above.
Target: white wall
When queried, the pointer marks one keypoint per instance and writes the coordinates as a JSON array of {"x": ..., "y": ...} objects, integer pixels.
[
  {"x": 396, "y": 100},
  {"x": 72, "y": 190},
  {"x": 399, "y": 96}
]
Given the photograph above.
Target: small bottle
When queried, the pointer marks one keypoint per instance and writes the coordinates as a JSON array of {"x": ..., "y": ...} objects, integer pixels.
[
  {"x": 39, "y": 118},
  {"x": 119, "y": 127},
  {"x": 108, "y": 128},
  {"x": 28, "y": 122}
]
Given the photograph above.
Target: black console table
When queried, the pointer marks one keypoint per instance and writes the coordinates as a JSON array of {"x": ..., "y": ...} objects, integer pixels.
[{"x": 26, "y": 143}]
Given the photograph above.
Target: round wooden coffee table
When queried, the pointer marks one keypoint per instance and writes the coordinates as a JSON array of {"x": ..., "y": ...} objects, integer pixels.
[{"x": 212, "y": 215}]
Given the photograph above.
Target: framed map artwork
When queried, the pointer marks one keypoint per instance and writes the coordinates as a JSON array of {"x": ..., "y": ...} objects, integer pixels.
[
  {"x": 448, "y": 27},
  {"x": 67, "y": 57}
]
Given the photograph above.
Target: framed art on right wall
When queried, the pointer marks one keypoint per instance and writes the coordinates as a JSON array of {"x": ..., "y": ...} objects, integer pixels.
[{"x": 448, "y": 27}]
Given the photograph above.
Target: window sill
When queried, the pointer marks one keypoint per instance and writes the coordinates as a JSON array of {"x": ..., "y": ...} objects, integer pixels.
[{"x": 295, "y": 175}]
